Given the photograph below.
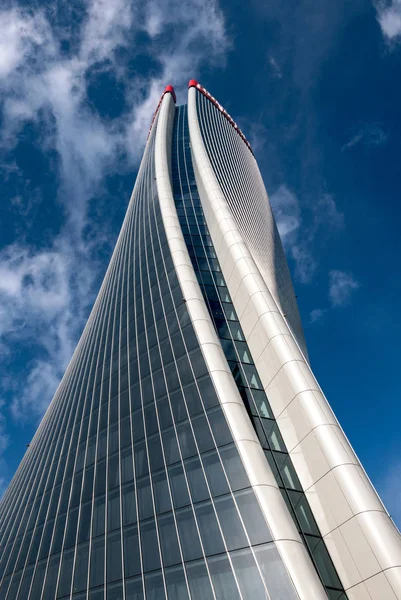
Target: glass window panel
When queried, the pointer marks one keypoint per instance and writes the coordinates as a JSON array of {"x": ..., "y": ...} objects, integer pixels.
[
  {"x": 64, "y": 585},
  {"x": 125, "y": 432},
  {"x": 178, "y": 484},
  {"x": 76, "y": 489},
  {"x": 58, "y": 534},
  {"x": 46, "y": 539},
  {"x": 129, "y": 504},
  {"x": 274, "y": 573},
  {"x": 26, "y": 582},
  {"x": 155, "y": 453},
  {"x": 252, "y": 517},
  {"x": 186, "y": 439},
  {"x": 132, "y": 562},
  {"x": 215, "y": 474},
  {"x": 15, "y": 582},
  {"x": 248, "y": 576},
  {"x": 51, "y": 577},
  {"x": 150, "y": 547},
  {"x": 199, "y": 582},
  {"x": 168, "y": 540},
  {"x": 115, "y": 591},
  {"x": 71, "y": 528},
  {"x": 150, "y": 420},
  {"x": 288, "y": 474},
  {"x": 97, "y": 562},
  {"x": 161, "y": 492},
  {"x": 102, "y": 444},
  {"x": 97, "y": 594},
  {"x": 189, "y": 536},
  {"x": 274, "y": 436},
  {"x": 230, "y": 523},
  {"x": 260, "y": 405},
  {"x": 176, "y": 584},
  {"x": 134, "y": 589},
  {"x": 127, "y": 467},
  {"x": 84, "y": 522},
  {"x": 303, "y": 512},
  {"x": 114, "y": 566},
  {"x": 209, "y": 529},
  {"x": 234, "y": 468},
  {"x": 37, "y": 584},
  {"x": 164, "y": 412},
  {"x": 207, "y": 392},
  {"x": 223, "y": 578},
  {"x": 99, "y": 516},
  {"x": 81, "y": 568},
  {"x": 229, "y": 349},
  {"x": 192, "y": 399},
  {"x": 196, "y": 478},
  {"x": 113, "y": 510},
  {"x": 90, "y": 455},
  {"x": 137, "y": 424},
  {"x": 202, "y": 433},
  {"x": 154, "y": 586},
  {"x": 325, "y": 565},
  {"x": 114, "y": 472},
  {"x": 236, "y": 331},
  {"x": 198, "y": 363},
  {"x": 100, "y": 482},
  {"x": 178, "y": 406},
  {"x": 170, "y": 446},
  {"x": 141, "y": 459},
  {"x": 219, "y": 426},
  {"x": 145, "y": 503}
]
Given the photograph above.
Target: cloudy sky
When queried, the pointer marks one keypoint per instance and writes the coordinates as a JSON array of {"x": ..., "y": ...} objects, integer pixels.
[{"x": 316, "y": 89}]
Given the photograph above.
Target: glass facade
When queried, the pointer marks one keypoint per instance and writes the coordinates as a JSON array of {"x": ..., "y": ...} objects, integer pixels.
[
  {"x": 228, "y": 328},
  {"x": 132, "y": 487}
]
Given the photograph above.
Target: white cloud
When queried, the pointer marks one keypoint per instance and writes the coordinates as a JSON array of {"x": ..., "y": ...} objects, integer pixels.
[
  {"x": 341, "y": 287},
  {"x": 45, "y": 293},
  {"x": 274, "y": 67},
  {"x": 298, "y": 234},
  {"x": 389, "y": 18},
  {"x": 287, "y": 212},
  {"x": 326, "y": 213},
  {"x": 370, "y": 135},
  {"x": 317, "y": 315}
]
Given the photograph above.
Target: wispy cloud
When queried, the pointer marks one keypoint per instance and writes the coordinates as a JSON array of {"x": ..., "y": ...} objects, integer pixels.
[
  {"x": 274, "y": 67},
  {"x": 389, "y": 18},
  {"x": 316, "y": 315},
  {"x": 341, "y": 287},
  {"x": 370, "y": 135},
  {"x": 45, "y": 293},
  {"x": 298, "y": 234}
]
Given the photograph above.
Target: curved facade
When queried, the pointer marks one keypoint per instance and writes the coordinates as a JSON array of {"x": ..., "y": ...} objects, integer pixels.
[{"x": 189, "y": 452}]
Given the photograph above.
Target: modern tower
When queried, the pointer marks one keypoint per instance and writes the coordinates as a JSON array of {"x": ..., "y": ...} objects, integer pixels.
[{"x": 189, "y": 452}]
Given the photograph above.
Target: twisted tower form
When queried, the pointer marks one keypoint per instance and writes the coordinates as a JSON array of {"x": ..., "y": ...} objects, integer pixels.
[{"x": 189, "y": 452}]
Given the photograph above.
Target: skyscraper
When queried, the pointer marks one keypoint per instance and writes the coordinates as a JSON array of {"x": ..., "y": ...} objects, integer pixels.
[{"x": 189, "y": 452}]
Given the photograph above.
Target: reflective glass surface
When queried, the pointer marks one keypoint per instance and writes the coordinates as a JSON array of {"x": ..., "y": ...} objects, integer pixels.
[
  {"x": 132, "y": 487},
  {"x": 228, "y": 328}
]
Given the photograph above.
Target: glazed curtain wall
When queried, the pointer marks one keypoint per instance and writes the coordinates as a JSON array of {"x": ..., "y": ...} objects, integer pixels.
[
  {"x": 228, "y": 328},
  {"x": 240, "y": 180},
  {"x": 133, "y": 488}
]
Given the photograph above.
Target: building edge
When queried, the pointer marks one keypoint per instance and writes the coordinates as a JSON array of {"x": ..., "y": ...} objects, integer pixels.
[{"x": 362, "y": 540}]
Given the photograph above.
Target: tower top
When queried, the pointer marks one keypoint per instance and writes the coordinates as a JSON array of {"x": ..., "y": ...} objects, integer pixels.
[{"x": 169, "y": 88}]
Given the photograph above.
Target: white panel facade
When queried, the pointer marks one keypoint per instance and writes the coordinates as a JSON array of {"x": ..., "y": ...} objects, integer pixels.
[{"x": 362, "y": 540}]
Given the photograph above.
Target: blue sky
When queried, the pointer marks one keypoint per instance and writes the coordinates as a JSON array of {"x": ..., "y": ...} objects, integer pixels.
[{"x": 316, "y": 89}]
